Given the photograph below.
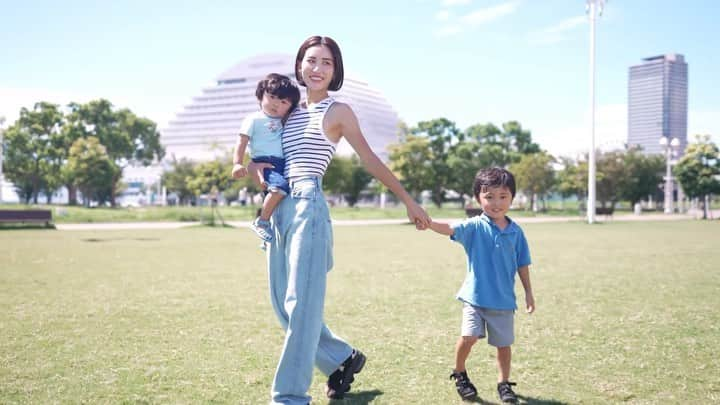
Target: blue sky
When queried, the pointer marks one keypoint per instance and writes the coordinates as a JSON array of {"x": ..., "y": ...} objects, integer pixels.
[{"x": 471, "y": 61}]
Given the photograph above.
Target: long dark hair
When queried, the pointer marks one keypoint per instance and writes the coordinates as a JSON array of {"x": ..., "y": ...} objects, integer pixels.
[{"x": 338, "y": 70}]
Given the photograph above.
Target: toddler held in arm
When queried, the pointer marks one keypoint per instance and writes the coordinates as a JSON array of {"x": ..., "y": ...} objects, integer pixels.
[{"x": 262, "y": 132}]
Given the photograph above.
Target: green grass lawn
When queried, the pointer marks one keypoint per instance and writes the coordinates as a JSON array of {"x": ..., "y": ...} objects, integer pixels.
[{"x": 626, "y": 312}]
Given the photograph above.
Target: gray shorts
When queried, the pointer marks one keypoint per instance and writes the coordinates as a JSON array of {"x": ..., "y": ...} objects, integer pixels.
[{"x": 499, "y": 324}]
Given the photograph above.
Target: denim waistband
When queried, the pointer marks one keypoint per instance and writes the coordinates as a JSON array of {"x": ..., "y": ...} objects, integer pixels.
[{"x": 317, "y": 180}]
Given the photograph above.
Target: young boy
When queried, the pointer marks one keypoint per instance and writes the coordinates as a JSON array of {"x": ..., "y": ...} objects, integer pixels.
[
  {"x": 496, "y": 249},
  {"x": 262, "y": 130}
]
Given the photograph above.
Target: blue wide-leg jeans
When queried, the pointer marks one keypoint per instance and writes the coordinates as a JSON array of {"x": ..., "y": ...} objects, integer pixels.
[{"x": 298, "y": 261}]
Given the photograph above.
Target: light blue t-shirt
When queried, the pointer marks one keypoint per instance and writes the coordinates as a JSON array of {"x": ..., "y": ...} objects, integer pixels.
[
  {"x": 493, "y": 257},
  {"x": 265, "y": 134}
]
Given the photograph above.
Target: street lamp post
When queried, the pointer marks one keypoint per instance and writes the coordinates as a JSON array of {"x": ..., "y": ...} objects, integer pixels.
[
  {"x": 592, "y": 7},
  {"x": 669, "y": 147}
]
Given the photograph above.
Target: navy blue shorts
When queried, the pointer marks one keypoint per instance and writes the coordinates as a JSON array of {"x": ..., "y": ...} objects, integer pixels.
[{"x": 273, "y": 177}]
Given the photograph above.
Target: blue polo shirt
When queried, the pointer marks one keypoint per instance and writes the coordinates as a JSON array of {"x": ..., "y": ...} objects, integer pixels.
[{"x": 493, "y": 258}]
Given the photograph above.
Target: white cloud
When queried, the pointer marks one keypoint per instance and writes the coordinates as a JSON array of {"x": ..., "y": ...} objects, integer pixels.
[
  {"x": 454, "y": 26},
  {"x": 573, "y": 138},
  {"x": 488, "y": 14},
  {"x": 556, "y": 33},
  {"x": 13, "y": 99},
  {"x": 442, "y": 15},
  {"x": 704, "y": 122},
  {"x": 450, "y": 3},
  {"x": 448, "y": 30},
  {"x": 567, "y": 24}
]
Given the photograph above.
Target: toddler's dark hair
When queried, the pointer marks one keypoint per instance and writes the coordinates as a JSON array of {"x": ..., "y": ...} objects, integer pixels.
[
  {"x": 494, "y": 177},
  {"x": 279, "y": 86}
]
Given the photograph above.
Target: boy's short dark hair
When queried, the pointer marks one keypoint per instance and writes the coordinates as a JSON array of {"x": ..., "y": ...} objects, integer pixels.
[
  {"x": 338, "y": 69},
  {"x": 494, "y": 177},
  {"x": 279, "y": 86}
]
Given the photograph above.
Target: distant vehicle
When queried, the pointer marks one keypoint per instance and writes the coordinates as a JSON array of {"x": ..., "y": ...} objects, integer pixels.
[{"x": 132, "y": 198}]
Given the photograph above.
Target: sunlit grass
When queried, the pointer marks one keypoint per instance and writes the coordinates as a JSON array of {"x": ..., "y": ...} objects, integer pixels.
[{"x": 627, "y": 312}]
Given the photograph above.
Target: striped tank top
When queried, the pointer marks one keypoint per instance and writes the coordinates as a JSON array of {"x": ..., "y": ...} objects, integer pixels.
[{"x": 307, "y": 150}]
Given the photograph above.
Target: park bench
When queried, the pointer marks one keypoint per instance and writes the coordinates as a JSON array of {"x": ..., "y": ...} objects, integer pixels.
[
  {"x": 472, "y": 212},
  {"x": 24, "y": 217},
  {"x": 606, "y": 211}
]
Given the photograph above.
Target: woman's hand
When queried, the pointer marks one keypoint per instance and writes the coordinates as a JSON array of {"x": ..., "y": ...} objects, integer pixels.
[
  {"x": 239, "y": 171},
  {"x": 255, "y": 170},
  {"x": 418, "y": 216}
]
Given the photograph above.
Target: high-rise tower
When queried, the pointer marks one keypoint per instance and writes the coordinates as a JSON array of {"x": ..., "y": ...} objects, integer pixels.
[{"x": 658, "y": 102}]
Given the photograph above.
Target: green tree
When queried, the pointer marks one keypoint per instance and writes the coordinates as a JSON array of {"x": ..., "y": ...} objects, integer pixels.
[
  {"x": 336, "y": 174},
  {"x": 411, "y": 161},
  {"x": 347, "y": 176},
  {"x": 609, "y": 176},
  {"x": 698, "y": 171},
  {"x": 129, "y": 139},
  {"x": 500, "y": 147},
  {"x": 29, "y": 161},
  {"x": 442, "y": 136},
  {"x": 464, "y": 162},
  {"x": 212, "y": 176},
  {"x": 92, "y": 170},
  {"x": 534, "y": 175},
  {"x": 643, "y": 174},
  {"x": 490, "y": 145},
  {"x": 177, "y": 178},
  {"x": 567, "y": 179}
]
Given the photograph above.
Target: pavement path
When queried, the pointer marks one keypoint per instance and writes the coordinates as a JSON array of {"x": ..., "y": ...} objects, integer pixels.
[{"x": 365, "y": 222}]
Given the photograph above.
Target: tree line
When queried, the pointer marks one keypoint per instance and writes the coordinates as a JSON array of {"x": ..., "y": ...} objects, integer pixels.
[
  {"x": 83, "y": 147},
  {"x": 435, "y": 155}
]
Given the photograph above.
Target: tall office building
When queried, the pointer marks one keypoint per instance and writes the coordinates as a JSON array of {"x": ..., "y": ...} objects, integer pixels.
[
  {"x": 658, "y": 102},
  {"x": 209, "y": 125}
]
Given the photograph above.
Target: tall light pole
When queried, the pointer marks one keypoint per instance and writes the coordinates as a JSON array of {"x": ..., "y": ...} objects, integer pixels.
[
  {"x": 670, "y": 147},
  {"x": 592, "y": 7}
]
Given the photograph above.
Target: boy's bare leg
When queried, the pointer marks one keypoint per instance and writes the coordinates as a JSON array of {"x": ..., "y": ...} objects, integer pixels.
[
  {"x": 271, "y": 201},
  {"x": 504, "y": 355},
  {"x": 462, "y": 351}
]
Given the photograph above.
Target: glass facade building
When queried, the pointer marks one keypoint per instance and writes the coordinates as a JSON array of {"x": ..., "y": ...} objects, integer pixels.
[
  {"x": 209, "y": 125},
  {"x": 658, "y": 102}
]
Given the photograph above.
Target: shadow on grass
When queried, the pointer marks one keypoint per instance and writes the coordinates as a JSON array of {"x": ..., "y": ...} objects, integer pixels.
[
  {"x": 522, "y": 400},
  {"x": 116, "y": 239},
  {"x": 360, "y": 397},
  {"x": 206, "y": 225},
  {"x": 531, "y": 400},
  {"x": 24, "y": 227}
]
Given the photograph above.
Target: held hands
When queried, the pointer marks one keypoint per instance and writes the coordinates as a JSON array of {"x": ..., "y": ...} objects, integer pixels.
[
  {"x": 239, "y": 171},
  {"x": 418, "y": 216}
]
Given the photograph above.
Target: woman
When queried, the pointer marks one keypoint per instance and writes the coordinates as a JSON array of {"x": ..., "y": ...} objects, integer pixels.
[{"x": 301, "y": 255}]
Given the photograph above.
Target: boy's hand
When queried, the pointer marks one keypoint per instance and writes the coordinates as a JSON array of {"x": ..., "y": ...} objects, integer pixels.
[
  {"x": 239, "y": 171},
  {"x": 417, "y": 216},
  {"x": 529, "y": 303}
]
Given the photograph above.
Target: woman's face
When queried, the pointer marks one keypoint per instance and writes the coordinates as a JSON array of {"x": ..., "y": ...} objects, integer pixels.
[{"x": 317, "y": 68}]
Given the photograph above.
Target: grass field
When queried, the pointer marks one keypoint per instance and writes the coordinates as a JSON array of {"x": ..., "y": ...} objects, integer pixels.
[{"x": 627, "y": 312}]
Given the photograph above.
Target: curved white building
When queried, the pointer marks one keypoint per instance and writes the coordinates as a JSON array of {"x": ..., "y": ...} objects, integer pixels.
[{"x": 209, "y": 125}]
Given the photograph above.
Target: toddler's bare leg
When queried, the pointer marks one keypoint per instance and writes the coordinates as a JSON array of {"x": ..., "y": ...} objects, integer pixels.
[{"x": 271, "y": 201}]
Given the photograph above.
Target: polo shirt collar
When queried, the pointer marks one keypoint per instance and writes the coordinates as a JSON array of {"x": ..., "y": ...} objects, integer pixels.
[{"x": 509, "y": 228}]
